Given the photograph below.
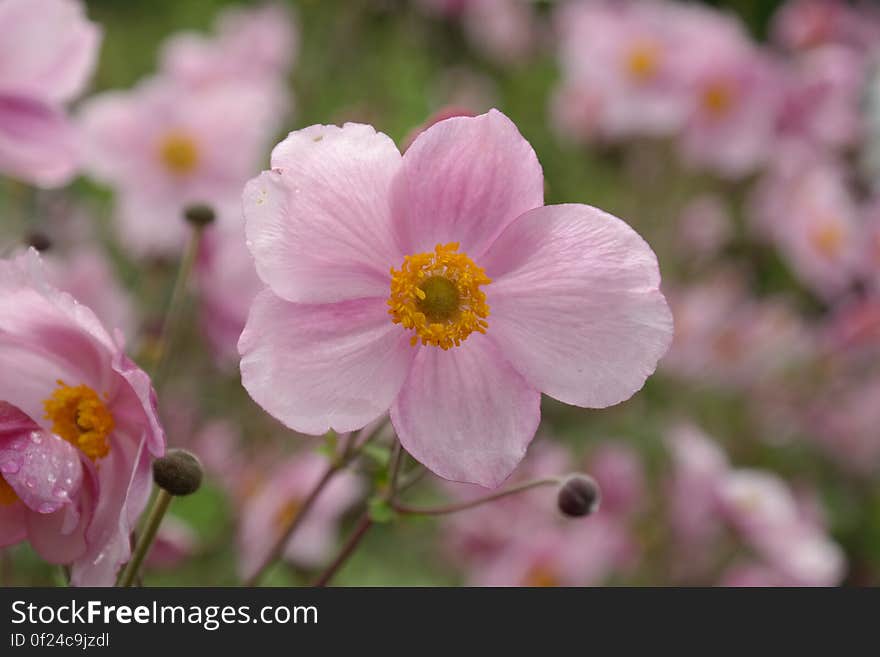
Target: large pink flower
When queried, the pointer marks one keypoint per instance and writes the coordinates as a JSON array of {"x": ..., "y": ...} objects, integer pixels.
[
  {"x": 78, "y": 426},
  {"x": 381, "y": 272},
  {"x": 47, "y": 54}
]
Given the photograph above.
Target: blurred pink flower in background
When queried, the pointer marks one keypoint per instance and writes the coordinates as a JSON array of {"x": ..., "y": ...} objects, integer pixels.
[
  {"x": 504, "y": 30},
  {"x": 732, "y": 96},
  {"x": 726, "y": 338},
  {"x": 524, "y": 541},
  {"x": 707, "y": 495},
  {"x": 175, "y": 543},
  {"x": 195, "y": 132},
  {"x": 278, "y": 499},
  {"x": 163, "y": 147},
  {"x": 87, "y": 275},
  {"x": 805, "y": 24},
  {"x": 766, "y": 514},
  {"x": 78, "y": 427},
  {"x": 704, "y": 228},
  {"x": 823, "y": 98},
  {"x": 334, "y": 339},
  {"x": 47, "y": 55},
  {"x": 805, "y": 208},
  {"x": 227, "y": 284},
  {"x": 619, "y": 63},
  {"x": 256, "y": 44}
]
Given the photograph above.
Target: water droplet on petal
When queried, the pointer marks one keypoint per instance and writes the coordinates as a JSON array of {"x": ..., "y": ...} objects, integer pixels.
[{"x": 48, "y": 507}]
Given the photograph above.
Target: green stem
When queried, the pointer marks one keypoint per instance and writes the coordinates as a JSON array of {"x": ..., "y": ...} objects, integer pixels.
[
  {"x": 351, "y": 544},
  {"x": 171, "y": 323},
  {"x": 463, "y": 506},
  {"x": 154, "y": 520}
]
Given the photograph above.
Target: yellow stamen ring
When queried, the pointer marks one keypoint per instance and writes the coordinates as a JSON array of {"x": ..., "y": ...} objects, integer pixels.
[
  {"x": 80, "y": 417},
  {"x": 437, "y": 295}
]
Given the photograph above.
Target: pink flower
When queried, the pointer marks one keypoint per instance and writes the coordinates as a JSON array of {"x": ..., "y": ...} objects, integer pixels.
[
  {"x": 164, "y": 146},
  {"x": 620, "y": 64},
  {"x": 706, "y": 493},
  {"x": 728, "y": 339},
  {"x": 87, "y": 276},
  {"x": 174, "y": 544},
  {"x": 733, "y": 97},
  {"x": 524, "y": 541},
  {"x": 704, "y": 228},
  {"x": 256, "y": 45},
  {"x": 804, "y": 24},
  {"x": 381, "y": 271},
  {"x": 618, "y": 470},
  {"x": 804, "y": 206},
  {"x": 228, "y": 285},
  {"x": 698, "y": 464},
  {"x": 823, "y": 98},
  {"x": 78, "y": 426},
  {"x": 275, "y": 503},
  {"x": 767, "y": 515},
  {"x": 47, "y": 55}
]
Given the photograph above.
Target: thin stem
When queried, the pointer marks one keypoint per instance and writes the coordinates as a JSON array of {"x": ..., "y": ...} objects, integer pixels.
[
  {"x": 175, "y": 306},
  {"x": 396, "y": 462},
  {"x": 284, "y": 536},
  {"x": 351, "y": 544},
  {"x": 160, "y": 506},
  {"x": 462, "y": 506},
  {"x": 365, "y": 522},
  {"x": 412, "y": 479}
]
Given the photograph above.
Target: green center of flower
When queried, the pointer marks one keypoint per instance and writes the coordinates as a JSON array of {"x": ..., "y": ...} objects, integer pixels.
[{"x": 442, "y": 300}]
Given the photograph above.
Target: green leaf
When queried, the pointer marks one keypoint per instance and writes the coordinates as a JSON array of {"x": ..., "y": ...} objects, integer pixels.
[{"x": 380, "y": 510}]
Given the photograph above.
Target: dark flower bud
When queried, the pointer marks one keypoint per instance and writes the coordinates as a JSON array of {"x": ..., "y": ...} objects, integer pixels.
[
  {"x": 199, "y": 215},
  {"x": 178, "y": 472},
  {"x": 579, "y": 496},
  {"x": 39, "y": 240}
]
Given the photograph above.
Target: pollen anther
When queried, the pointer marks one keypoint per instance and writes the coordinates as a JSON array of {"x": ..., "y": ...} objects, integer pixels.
[
  {"x": 437, "y": 295},
  {"x": 80, "y": 417}
]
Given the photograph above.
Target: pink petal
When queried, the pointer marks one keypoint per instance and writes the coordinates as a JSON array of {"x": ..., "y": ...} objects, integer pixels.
[
  {"x": 49, "y": 48},
  {"x": 37, "y": 143},
  {"x": 319, "y": 223},
  {"x": 316, "y": 367},
  {"x": 575, "y": 304},
  {"x": 46, "y": 336},
  {"x": 60, "y": 537},
  {"x": 465, "y": 413},
  {"x": 464, "y": 180},
  {"x": 124, "y": 483},
  {"x": 135, "y": 405},
  {"x": 43, "y": 469}
]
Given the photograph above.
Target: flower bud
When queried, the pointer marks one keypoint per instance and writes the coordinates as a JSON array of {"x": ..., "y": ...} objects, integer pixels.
[
  {"x": 199, "y": 215},
  {"x": 178, "y": 472},
  {"x": 39, "y": 240},
  {"x": 579, "y": 496}
]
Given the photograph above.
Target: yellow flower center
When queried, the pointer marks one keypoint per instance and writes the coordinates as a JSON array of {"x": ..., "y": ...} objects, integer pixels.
[
  {"x": 718, "y": 99},
  {"x": 541, "y": 576},
  {"x": 7, "y": 494},
  {"x": 80, "y": 417},
  {"x": 828, "y": 239},
  {"x": 437, "y": 295},
  {"x": 179, "y": 153},
  {"x": 643, "y": 61}
]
